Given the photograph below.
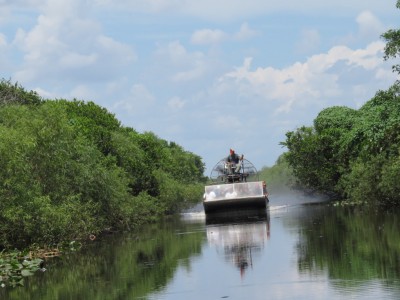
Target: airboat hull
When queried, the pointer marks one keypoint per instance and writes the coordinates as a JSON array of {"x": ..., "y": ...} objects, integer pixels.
[
  {"x": 235, "y": 204},
  {"x": 235, "y": 196}
]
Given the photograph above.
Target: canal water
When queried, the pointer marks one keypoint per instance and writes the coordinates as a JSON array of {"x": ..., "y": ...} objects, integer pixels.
[{"x": 297, "y": 249}]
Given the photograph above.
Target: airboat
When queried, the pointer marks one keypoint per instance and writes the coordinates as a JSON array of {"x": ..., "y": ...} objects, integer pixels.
[{"x": 234, "y": 186}]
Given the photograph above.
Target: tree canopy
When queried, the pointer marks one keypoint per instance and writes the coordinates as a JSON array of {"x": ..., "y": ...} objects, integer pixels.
[
  {"x": 69, "y": 169},
  {"x": 351, "y": 153},
  {"x": 392, "y": 48}
]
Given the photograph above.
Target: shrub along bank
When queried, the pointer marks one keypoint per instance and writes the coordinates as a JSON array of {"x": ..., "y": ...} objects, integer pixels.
[
  {"x": 69, "y": 169},
  {"x": 353, "y": 154}
]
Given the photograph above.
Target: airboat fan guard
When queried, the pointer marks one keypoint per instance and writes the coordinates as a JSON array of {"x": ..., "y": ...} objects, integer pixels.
[{"x": 246, "y": 172}]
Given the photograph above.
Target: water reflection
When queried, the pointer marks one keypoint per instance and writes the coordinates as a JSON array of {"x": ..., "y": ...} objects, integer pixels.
[
  {"x": 239, "y": 237},
  {"x": 119, "y": 266},
  {"x": 352, "y": 244},
  {"x": 286, "y": 252}
]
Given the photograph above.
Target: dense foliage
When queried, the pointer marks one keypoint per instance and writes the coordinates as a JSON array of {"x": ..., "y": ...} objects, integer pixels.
[
  {"x": 279, "y": 177},
  {"x": 353, "y": 154},
  {"x": 69, "y": 169},
  {"x": 392, "y": 49}
]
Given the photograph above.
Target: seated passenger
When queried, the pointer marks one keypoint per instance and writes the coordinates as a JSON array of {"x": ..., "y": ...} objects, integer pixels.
[{"x": 233, "y": 162}]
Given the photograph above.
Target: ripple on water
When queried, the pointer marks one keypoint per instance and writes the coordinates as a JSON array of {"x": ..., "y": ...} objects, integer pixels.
[{"x": 361, "y": 289}]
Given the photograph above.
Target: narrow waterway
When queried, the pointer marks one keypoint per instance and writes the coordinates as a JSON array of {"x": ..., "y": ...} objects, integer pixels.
[{"x": 297, "y": 249}]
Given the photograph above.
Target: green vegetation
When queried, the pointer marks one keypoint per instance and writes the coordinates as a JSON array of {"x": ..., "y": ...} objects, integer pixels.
[
  {"x": 351, "y": 245},
  {"x": 118, "y": 267},
  {"x": 353, "y": 154},
  {"x": 279, "y": 177},
  {"x": 392, "y": 49},
  {"x": 13, "y": 269},
  {"x": 68, "y": 169}
]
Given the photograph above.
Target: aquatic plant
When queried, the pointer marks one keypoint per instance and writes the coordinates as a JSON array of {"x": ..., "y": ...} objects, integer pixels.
[{"x": 14, "y": 268}]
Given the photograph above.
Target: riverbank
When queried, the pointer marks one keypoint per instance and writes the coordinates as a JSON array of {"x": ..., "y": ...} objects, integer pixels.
[
  {"x": 301, "y": 250},
  {"x": 70, "y": 170}
]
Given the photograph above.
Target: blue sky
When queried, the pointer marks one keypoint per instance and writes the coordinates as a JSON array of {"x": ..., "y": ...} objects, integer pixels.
[{"x": 208, "y": 75}]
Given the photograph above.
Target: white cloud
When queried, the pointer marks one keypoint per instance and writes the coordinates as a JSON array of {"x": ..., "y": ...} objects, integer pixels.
[
  {"x": 198, "y": 70},
  {"x": 82, "y": 92},
  {"x": 224, "y": 10},
  {"x": 176, "y": 103},
  {"x": 180, "y": 65},
  {"x": 64, "y": 42},
  {"x": 245, "y": 32},
  {"x": 44, "y": 93},
  {"x": 86, "y": 49},
  {"x": 370, "y": 57},
  {"x": 369, "y": 24},
  {"x": 309, "y": 41},
  {"x": 139, "y": 100},
  {"x": 302, "y": 84},
  {"x": 208, "y": 36},
  {"x": 140, "y": 93},
  {"x": 174, "y": 52},
  {"x": 228, "y": 122},
  {"x": 3, "y": 40},
  {"x": 217, "y": 36},
  {"x": 4, "y": 14},
  {"x": 259, "y": 104},
  {"x": 76, "y": 60},
  {"x": 19, "y": 3},
  {"x": 369, "y": 28}
]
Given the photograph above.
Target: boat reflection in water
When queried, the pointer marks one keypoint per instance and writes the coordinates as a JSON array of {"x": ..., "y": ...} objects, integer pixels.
[{"x": 240, "y": 236}]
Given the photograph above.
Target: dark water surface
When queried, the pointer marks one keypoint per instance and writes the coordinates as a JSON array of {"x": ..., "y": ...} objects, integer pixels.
[{"x": 294, "y": 250}]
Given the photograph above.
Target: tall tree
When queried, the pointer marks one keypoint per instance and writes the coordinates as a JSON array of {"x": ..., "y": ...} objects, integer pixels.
[{"x": 392, "y": 48}]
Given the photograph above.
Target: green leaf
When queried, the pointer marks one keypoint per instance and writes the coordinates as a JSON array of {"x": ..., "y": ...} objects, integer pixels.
[{"x": 26, "y": 272}]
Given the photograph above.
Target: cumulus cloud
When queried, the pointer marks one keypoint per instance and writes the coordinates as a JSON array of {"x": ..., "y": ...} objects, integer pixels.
[
  {"x": 175, "y": 89},
  {"x": 227, "y": 121},
  {"x": 139, "y": 100},
  {"x": 217, "y": 36},
  {"x": 3, "y": 40},
  {"x": 19, "y": 3},
  {"x": 228, "y": 10},
  {"x": 180, "y": 65},
  {"x": 174, "y": 52},
  {"x": 65, "y": 42},
  {"x": 369, "y": 28},
  {"x": 208, "y": 36},
  {"x": 44, "y": 93},
  {"x": 82, "y": 92},
  {"x": 309, "y": 41},
  {"x": 369, "y": 24},
  {"x": 5, "y": 51},
  {"x": 176, "y": 103},
  {"x": 255, "y": 102},
  {"x": 4, "y": 14},
  {"x": 245, "y": 32},
  {"x": 316, "y": 79},
  {"x": 197, "y": 71}
]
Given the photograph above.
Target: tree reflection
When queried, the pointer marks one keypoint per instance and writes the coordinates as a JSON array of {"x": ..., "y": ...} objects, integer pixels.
[
  {"x": 354, "y": 245},
  {"x": 116, "y": 267}
]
